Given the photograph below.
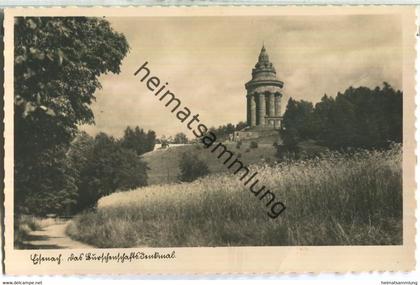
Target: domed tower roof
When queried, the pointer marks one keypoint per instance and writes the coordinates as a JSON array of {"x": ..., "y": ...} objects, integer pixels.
[
  {"x": 264, "y": 72},
  {"x": 264, "y": 63}
]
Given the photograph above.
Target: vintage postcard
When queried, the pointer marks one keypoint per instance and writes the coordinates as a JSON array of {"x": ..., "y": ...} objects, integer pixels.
[{"x": 209, "y": 140}]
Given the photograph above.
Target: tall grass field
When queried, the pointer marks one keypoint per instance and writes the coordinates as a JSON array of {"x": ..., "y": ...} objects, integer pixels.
[{"x": 337, "y": 199}]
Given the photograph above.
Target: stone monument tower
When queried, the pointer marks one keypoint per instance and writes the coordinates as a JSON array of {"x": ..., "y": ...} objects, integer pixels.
[{"x": 264, "y": 95}]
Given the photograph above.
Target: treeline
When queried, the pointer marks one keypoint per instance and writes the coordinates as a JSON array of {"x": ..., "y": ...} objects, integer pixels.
[
  {"x": 223, "y": 131},
  {"x": 358, "y": 118},
  {"x": 179, "y": 138}
]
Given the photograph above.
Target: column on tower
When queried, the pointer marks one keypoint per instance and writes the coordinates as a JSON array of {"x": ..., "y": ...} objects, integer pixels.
[
  {"x": 277, "y": 107},
  {"x": 251, "y": 111},
  {"x": 271, "y": 105},
  {"x": 248, "y": 110},
  {"x": 261, "y": 109}
]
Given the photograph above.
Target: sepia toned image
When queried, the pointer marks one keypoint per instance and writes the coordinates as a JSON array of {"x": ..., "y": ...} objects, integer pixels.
[{"x": 209, "y": 140}]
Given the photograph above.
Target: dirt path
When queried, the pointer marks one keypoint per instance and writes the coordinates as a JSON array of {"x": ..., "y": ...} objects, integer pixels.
[{"x": 53, "y": 236}]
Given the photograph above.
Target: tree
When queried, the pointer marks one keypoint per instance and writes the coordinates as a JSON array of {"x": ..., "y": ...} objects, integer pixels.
[
  {"x": 150, "y": 140},
  {"x": 108, "y": 167},
  {"x": 58, "y": 61},
  {"x": 323, "y": 119},
  {"x": 191, "y": 168},
  {"x": 180, "y": 138},
  {"x": 139, "y": 141},
  {"x": 80, "y": 150},
  {"x": 297, "y": 121},
  {"x": 54, "y": 184}
]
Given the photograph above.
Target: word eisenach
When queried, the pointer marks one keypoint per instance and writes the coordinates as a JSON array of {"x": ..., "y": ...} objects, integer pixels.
[
  {"x": 37, "y": 259},
  {"x": 209, "y": 139}
]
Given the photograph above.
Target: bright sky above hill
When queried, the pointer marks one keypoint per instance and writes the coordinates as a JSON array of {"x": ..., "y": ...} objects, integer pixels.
[{"x": 207, "y": 60}]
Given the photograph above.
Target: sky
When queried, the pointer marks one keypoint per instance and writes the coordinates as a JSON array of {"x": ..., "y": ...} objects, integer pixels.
[{"x": 207, "y": 60}]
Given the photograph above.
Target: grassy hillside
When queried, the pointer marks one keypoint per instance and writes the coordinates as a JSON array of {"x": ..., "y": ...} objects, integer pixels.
[
  {"x": 333, "y": 200},
  {"x": 164, "y": 168}
]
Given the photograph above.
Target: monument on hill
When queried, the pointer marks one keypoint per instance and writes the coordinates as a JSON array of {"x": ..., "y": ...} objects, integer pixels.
[
  {"x": 264, "y": 95},
  {"x": 264, "y": 92}
]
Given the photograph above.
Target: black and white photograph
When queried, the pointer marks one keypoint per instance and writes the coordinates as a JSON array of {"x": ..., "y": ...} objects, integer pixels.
[{"x": 210, "y": 131}]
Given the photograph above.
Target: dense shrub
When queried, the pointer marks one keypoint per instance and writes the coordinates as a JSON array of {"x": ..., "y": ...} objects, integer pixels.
[
  {"x": 23, "y": 225},
  {"x": 253, "y": 144},
  {"x": 191, "y": 168}
]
